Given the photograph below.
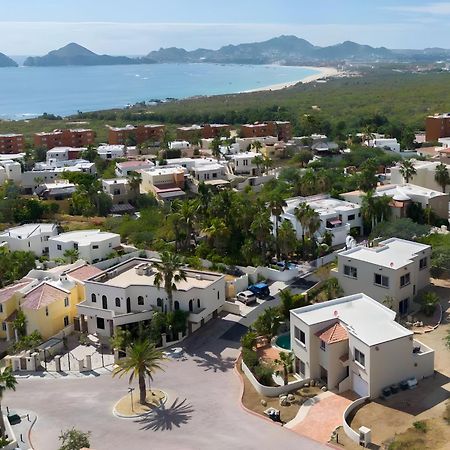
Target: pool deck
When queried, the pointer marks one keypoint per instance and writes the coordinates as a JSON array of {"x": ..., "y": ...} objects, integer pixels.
[{"x": 278, "y": 345}]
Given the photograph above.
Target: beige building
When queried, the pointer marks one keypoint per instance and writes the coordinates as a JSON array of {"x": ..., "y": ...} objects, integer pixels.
[
  {"x": 392, "y": 273},
  {"x": 403, "y": 196},
  {"x": 354, "y": 343}
]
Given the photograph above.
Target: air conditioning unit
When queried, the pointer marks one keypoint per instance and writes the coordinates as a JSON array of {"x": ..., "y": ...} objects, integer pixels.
[{"x": 365, "y": 436}]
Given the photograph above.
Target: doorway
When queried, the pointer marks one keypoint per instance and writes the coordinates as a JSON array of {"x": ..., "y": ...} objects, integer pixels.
[{"x": 128, "y": 305}]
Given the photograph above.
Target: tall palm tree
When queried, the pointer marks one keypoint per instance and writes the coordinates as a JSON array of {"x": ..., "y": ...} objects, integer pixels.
[
  {"x": 188, "y": 216},
  {"x": 169, "y": 272},
  {"x": 142, "y": 360},
  {"x": 258, "y": 161},
  {"x": 308, "y": 183},
  {"x": 7, "y": 382},
  {"x": 256, "y": 145},
  {"x": 276, "y": 205},
  {"x": 204, "y": 198},
  {"x": 442, "y": 176},
  {"x": 217, "y": 232},
  {"x": 407, "y": 170},
  {"x": 369, "y": 208},
  {"x": 267, "y": 163},
  {"x": 261, "y": 227},
  {"x": 286, "y": 361},
  {"x": 303, "y": 213},
  {"x": 134, "y": 181},
  {"x": 286, "y": 238},
  {"x": 215, "y": 148},
  {"x": 71, "y": 255}
]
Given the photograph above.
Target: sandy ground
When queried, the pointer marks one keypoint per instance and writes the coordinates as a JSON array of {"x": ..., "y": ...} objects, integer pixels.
[{"x": 324, "y": 72}]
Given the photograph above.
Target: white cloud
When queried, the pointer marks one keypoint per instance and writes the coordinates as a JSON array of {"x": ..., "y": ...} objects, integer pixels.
[{"x": 437, "y": 8}]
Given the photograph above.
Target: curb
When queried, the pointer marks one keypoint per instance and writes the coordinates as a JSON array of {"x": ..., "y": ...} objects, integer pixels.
[
  {"x": 135, "y": 416},
  {"x": 29, "y": 432}
]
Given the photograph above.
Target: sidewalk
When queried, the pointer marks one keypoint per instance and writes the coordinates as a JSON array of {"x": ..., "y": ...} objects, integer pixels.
[{"x": 67, "y": 375}]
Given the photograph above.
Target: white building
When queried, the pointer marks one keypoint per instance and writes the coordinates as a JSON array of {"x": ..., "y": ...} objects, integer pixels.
[
  {"x": 179, "y": 145},
  {"x": 354, "y": 343},
  {"x": 403, "y": 196},
  {"x": 59, "y": 190},
  {"x": 62, "y": 154},
  {"x": 387, "y": 143},
  {"x": 336, "y": 216},
  {"x": 243, "y": 163},
  {"x": 127, "y": 293},
  {"x": 118, "y": 189},
  {"x": 106, "y": 151},
  {"x": 246, "y": 143},
  {"x": 32, "y": 237},
  {"x": 10, "y": 171},
  {"x": 92, "y": 245},
  {"x": 206, "y": 172},
  {"x": 392, "y": 273},
  {"x": 124, "y": 168}
]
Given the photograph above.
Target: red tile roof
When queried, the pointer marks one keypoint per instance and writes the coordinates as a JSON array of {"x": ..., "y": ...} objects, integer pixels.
[
  {"x": 333, "y": 333},
  {"x": 7, "y": 292},
  {"x": 84, "y": 272},
  {"x": 42, "y": 296}
]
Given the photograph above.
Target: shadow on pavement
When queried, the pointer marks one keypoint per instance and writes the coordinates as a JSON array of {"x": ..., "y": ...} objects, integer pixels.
[
  {"x": 165, "y": 418},
  {"x": 213, "y": 362}
]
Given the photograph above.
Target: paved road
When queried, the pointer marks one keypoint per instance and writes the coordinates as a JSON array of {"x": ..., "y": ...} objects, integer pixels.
[{"x": 203, "y": 411}]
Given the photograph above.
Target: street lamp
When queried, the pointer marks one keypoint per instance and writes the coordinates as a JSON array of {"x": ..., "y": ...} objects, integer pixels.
[{"x": 130, "y": 390}]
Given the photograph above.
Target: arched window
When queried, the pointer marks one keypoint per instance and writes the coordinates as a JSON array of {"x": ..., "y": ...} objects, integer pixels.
[
  {"x": 118, "y": 302},
  {"x": 176, "y": 305},
  {"x": 198, "y": 303},
  {"x": 159, "y": 302},
  {"x": 93, "y": 298},
  {"x": 191, "y": 305},
  {"x": 140, "y": 300},
  {"x": 104, "y": 302}
]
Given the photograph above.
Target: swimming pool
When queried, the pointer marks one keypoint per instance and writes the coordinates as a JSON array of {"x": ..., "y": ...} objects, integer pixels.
[{"x": 283, "y": 341}]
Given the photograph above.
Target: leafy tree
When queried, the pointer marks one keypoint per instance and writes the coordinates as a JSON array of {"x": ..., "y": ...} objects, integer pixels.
[
  {"x": 142, "y": 361},
  {"x": 74, "y": 439},
  {"x": 214, "y": 146},
  {"x": 134, "y": 181},
  {"x": 304, "y": 156},
  {"x": 442, "y": 176},
  {"x": 71, "y": 255},
  {"x": 428, "y": 302},
  {"x": 14, "y": 265},
  {"x": 90, "y": 154},
  {"x": 268, "y": 322},
  {"x": 407, "y": 170},
  {"x": 290, "y": 301},
  {"x": 7, "y": 383},
  {"x": 248, "y": 340},
  {"x": 401, "y": 228},
  {"x": 20, "y": 323},
  {"x": 169, "y": 272}
]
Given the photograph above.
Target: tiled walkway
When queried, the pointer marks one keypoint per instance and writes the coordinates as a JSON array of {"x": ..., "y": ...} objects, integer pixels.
[{"x": 323, "y": 417}]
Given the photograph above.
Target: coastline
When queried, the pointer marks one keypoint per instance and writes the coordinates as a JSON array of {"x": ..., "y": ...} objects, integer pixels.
[{"x": 324, "y": 72}]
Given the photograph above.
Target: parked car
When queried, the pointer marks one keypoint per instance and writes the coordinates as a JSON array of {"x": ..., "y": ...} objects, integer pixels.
[
  {"x": 260, "y": 289},
  {"x": 246, "y": 297}
]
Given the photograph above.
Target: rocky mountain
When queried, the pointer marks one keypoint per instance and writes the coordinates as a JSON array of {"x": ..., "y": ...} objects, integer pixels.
[
  {"x": 5, "y": 61},
  {"x": 282, "y": 49},
  {"x": 75, "y": 55}
]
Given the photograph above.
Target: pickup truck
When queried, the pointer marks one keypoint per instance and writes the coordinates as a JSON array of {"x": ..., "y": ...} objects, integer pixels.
[{"x": 260, "y": 289}]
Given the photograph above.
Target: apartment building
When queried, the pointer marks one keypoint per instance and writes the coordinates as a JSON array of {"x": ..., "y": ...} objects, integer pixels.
[
  {"x": 392, "y": 273},
  {"x": 336, "y": 216},
  {"x": 59, "y": 154},
  {"x": 32, "y": 237},
  {"x": 111, "y": 151},
  {"x": 64, "y": 138},
  {"x": 354, "y": 343},
  {"x": 135, "y": 135},
  {"x": 437, "y": 126},
  {"x": 166, "y": 183},
  {"x": 92, "y": 245},
  {"x": 12, "y": 143},
  {"x": 282, "y": 130},
  {"x": 127, "y": 293},
  {"x": 205, "y": 131}
]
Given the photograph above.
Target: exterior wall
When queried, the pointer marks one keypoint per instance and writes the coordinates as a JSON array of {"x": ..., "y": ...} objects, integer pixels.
[
  {"x": 355, "y": 369},
  {"x": 331, "y": 362},
  {"x": 139, "y": 134},
  {"x": 209, "y": 175},
  {"x": 424, "y": 177},
  {"x": 12, "y": 143},
  {"x": 437, "y": 127},
  {"x": 439, "y": 205},
  {"x": 64, "y": 138},
  {"x": 8, "y": 308},
  {"x": 38, "y": 244}
]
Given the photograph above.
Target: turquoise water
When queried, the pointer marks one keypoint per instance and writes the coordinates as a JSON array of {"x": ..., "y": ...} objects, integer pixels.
[
  {"x": 284, "y": 341},
  {"x": 31, "y": 91}
]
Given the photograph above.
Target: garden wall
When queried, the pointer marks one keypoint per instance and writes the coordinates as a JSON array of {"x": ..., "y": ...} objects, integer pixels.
[
  {"x": 349, "y": 431},
  {"x": 269, "y": 274},
  {"x": 271, "y": 391}
]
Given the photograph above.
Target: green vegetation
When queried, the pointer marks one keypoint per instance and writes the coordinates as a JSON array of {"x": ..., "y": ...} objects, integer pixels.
[
  {"x": 421, "y": 426},
  {"x": 286, "y": 361},
  {"x": 440, "y": 256},
  {"x": 74, "y": 439},
  {"x": 14, "y": 265},
  {"x": 401, "y": 228},
  {"x": 7, "y": 383},
  {"x": 428, "y": 302}
]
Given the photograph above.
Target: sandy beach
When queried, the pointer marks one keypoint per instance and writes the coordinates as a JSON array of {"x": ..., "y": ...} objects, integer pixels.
[{"x": 323, "y": 72}]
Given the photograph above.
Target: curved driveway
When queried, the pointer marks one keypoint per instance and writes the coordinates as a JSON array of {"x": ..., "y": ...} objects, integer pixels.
[{"x": 203, "y": 410}]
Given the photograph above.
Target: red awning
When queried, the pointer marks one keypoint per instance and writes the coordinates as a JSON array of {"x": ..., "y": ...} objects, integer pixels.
[{"x": 335, "y": 222}]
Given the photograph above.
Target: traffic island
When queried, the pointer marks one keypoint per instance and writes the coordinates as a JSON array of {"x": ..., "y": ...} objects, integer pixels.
[{"x": 129, "y": 407}]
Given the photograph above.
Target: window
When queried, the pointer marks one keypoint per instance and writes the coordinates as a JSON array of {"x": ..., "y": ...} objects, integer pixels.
[
  {"x": 117, "y": 302},
  {"x": 405, "y": 279},
  {"x": 46, "y": 311},
  {"x": 59, "y": 247},
  {"x": 351, "y": 217},
  {"x": 423, "y": 263},
  {"x": 4, "y": 326},
  {"x": 360, "y": 358},
  {"x": 218, "y": 295},
  {"x": 350, "y": 271},
  {"x": 95, "y": 247},
  {"x": 322, "y": 345},
  {"x": 191, "y": 305},
  {"x": 93, "y": 298},
  {"x": 301, "y": 367},
  {"x": 299, "y": 335},
  {"x": 140, "y": 300},
  {"x": 100, "y": 323},
  {"x": 66, "y": 321},
  {"x": 198, "y": 303},
  {"x": 159, "y": 302},
  {"x": 381, "y": 280},
  {"x": 75, "y": 246},
  {"x": 176, "y": 305},
  {"x": 66, "y": 302},
  {"x": 104, "y": 302},
  {"x": 1, "y": 308}
]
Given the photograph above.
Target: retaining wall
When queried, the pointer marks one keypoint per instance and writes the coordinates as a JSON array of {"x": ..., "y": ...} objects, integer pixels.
[{"x": 349, "y": 431}]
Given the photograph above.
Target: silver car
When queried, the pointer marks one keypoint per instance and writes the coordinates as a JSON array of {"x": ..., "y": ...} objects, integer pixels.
[{"x": 246, "y": 297}]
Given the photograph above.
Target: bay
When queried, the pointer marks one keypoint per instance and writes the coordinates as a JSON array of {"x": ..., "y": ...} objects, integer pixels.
[{"x": 27, "y": 92}]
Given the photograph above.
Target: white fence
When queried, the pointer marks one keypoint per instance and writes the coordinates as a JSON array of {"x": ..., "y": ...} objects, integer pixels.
[
  {"x": 268, "y": 273},
  {"x": 103, "y": 265},
  {"x": 319, "y": 262},
  {"x": 349, "y": 431}
]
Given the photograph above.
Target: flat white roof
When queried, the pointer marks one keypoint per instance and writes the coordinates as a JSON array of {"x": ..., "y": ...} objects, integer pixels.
[
  {"x": 407, "y": 189},
  {"x": 362, "y": 316},
  {"x": 30, "y": 229},
  {"x": 207, "y": 167},
  {"x": 85, "y": 236},
  {"x": 392, "y": 253},
  {"x": 112, "y": 181},
  {"x": 245, "y": 155},
  {"x": 322, "y": 205},
  {"x": 165, "y": 170}
]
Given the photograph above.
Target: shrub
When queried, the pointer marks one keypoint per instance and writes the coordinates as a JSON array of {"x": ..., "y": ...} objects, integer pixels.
[
  {"x": 428, "y": 303},
  {"x": 248, "y": 340},
  {"x": 263, "y": 374},
  {"x": 420, "y": 426},
  {"x": 250, "y": 358}
]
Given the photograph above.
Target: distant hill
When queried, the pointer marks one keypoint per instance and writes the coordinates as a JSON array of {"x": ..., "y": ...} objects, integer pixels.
[
  {"x": 76, "y": 55},
  {"x": 5, "y": 61},
  {"x": 282, "y": 49}
]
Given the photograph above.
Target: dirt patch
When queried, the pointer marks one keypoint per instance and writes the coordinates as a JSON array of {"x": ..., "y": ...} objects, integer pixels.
[
  {"x": 124, "y": 407},
  {"x": 252, "y": 400}
]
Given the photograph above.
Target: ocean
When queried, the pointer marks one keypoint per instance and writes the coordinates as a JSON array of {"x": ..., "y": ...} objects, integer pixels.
[{"x": 27, "y": 92}]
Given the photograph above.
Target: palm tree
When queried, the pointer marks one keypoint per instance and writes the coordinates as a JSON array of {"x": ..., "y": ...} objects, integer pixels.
[
  {"x": 215, "y": 148},
  {"x": 286, "y": 361},
  {"x": 261, "y": 227},
  {"x": 286, "y": 238},
  {"x": 143, "y": 359},
  {"x": 71, "y": 255},
  {"x": 134, "y": 181},
  {"x": 188, "y": 215},
  {"x": 267, "y": 163},
  {"x": 442, "y": 176},
  {"x": 276, "y": 205},
  {"x": 367, "y": 134},
  {"x": 307, "y": 184},
  {"x": 204, "y": 198},
  {"x": 303, "y": 213},
  {"x": 169, "y": 272},
  {"x": 407, "y": 170},
  {"x": 217, "y": 232},
  {"x": 7, "y": 382},
  {"x": 258, "y": 161},
  {"x": 368, "y": 208},
  {"x": 256, "y": 145}
]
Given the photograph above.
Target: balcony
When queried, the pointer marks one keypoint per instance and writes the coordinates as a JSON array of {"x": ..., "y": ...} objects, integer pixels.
[
  {"x": 344, "y": 360},
  {"x": 197, "y": 315},
  {"x": 132, "y": 317}
]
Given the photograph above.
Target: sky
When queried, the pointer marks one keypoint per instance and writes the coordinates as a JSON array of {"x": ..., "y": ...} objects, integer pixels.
[{"x": 135, "y": 27}]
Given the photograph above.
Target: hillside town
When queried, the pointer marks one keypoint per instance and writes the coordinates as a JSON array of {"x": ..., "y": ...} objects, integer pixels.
[{"x": 297, "y": 281}]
